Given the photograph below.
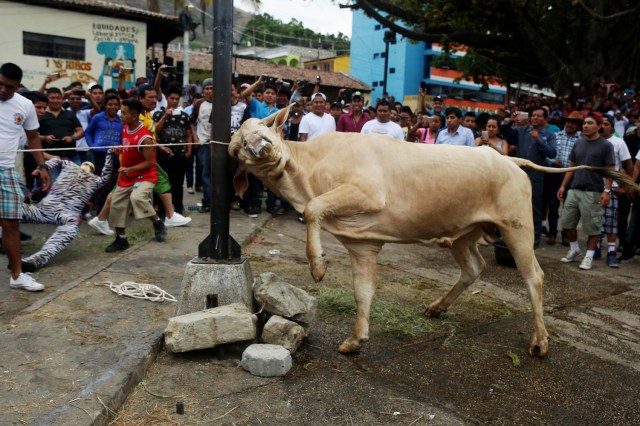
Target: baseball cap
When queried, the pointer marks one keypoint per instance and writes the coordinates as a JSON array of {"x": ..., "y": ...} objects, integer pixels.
[
  {"x": 141, "y": 80},
  {"x": 207, "y": 82},
  {"x": 595, "y": 115},
  {"x": 315, "y": 95},
  {"x": 356, "y": 95},
  {"x": 244, "y": 85}
]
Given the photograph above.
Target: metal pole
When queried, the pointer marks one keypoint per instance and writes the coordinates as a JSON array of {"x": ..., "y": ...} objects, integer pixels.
[
  {"x": 219, "y": 246},
  {"x": 185, "y": 54}
]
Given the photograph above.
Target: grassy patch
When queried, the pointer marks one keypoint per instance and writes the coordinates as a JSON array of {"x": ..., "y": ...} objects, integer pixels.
[{"x": 401, "y": 320}]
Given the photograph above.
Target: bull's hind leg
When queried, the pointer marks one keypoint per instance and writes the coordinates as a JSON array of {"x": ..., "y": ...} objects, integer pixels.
[
  {"x": 466, "y": 254},
  {"x": 363, "y": 265},
  {"x": 520, "y": 243}
]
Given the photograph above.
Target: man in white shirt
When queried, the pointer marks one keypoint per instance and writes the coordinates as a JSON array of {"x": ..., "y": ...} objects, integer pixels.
[
  {"x": 17, "y": 116},
  {"x": 622, "y": 161},
  {"x": 317, "y": 122},
  {"x": 382, "y": 124},
  {"x": 455, "y": 134}
]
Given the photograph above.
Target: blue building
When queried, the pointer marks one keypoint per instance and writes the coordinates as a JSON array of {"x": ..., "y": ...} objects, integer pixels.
[{"x": 410, "y": 63}]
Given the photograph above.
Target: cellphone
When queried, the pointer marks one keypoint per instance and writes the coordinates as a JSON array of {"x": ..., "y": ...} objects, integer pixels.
[
  {"x": 427, "y": 120},
  {"x": 484, "y": 135},
  {"x": 79, "y": 92},
  {"x": 176, "y": 111},
  {"x": 317, "y": 78},
  {"x": 55, "y": 75},
  {"x": 522, "y": 116},
  {"x": 169, "y": 69}
]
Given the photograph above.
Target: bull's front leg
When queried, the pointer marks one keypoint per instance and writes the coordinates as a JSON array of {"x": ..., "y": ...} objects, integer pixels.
[
  {"x": 344, "y": 201},
  {"x": 363, "y": 264}
]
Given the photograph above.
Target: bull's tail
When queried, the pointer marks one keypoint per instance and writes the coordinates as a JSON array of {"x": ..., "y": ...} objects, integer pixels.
[{"x": 624, "y": 180}]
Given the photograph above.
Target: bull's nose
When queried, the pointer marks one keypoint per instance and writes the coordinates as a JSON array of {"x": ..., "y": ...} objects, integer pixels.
[{"x": 258, "y": 149}]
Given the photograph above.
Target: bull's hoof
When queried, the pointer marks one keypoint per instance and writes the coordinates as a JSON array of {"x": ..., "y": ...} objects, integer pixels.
[
  {"x": 538, "y": 347},
  {"x": 318, "y": 268},
  {"x": 350, "y": 346},
  {"x": 432, "y": 312}
]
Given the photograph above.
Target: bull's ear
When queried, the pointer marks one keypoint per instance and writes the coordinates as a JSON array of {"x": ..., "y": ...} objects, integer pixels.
[
  {"x": 241, "y": 181},
  {"x": 276, "y": 120}
]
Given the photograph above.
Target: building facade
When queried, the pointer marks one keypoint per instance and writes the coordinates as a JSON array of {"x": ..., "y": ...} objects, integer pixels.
[
  {"x": 410, "y": 64},
  {"x": 77, "y": 42}
]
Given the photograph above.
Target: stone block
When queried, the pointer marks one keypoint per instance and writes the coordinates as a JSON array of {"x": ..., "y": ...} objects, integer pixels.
[
  {"x": 283, "y": 299},
  {"x": 281, "y": 331},
  {"x": 208, "y": 285},
  {"x": 266, "y": 360},
  {"x": 209, "y": 328}
]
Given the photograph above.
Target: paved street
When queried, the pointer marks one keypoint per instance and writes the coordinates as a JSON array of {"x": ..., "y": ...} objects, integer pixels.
[{"x": 77, "y": 348}]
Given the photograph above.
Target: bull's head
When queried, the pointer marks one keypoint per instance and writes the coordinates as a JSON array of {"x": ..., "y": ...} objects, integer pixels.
[{"x": 258, "y": 148}]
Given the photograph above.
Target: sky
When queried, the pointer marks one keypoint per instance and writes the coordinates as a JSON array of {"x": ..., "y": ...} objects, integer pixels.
[{"x": 323, "y": 16}]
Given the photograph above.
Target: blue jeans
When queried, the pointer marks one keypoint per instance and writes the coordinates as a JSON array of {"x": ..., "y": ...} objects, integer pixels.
[{"x": 204, "y": 160}]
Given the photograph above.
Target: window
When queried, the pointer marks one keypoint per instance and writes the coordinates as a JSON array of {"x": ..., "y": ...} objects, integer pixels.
[
  {"x": 52, "y": 46},
  {"x": 377, "y": 27},
  {"x": 392, "y": 70},
  {"x": 382, "y": 83},
  {"x": 327, "y": 67},
  {"x": 374, "y": 84},
  {"x": 376, "y": 55},
  {"x": 383, "y": 54}
]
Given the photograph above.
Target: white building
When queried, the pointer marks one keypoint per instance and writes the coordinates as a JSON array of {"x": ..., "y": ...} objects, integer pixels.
[{"x": 80, "y": 40}]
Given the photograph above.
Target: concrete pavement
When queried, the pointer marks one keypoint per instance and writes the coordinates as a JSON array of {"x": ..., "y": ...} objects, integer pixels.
[{"x": 77, "y": 349}]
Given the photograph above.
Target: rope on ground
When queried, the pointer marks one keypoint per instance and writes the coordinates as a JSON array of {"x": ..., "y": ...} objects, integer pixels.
[{"x": 139, "y": 291}]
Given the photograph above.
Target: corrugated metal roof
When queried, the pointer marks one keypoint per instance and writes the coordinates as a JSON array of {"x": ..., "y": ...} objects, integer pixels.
[{"x": 248, "y": 68}]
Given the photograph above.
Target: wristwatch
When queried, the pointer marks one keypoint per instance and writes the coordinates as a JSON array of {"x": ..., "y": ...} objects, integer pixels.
[
  {"x": 41, "y": 167},
  {"x": 607, "y": 190}
]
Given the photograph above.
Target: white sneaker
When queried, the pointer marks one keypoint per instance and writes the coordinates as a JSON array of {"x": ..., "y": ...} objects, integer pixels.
[
  {"x": 176, "y": 220},
  {"x": 570, "y": 256},
  {"x": 101, "y": 226},
  {"x": 586, "y": 263},
  {"x": 26, "y": 282}
]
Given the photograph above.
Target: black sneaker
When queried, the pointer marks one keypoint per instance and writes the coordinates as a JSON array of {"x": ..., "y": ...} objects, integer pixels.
[
  {"x": 281, "y": 211},
  {"x": 204, "y": 209},
  {"x": 119, "y": 244},
  {"x": 161, "y": 230},
  {"x": 271, "y": 209},
  {"x": 25, "y": 237},
  {"x": 251, "y": 211},
  {"x": 29, "y": 266}
]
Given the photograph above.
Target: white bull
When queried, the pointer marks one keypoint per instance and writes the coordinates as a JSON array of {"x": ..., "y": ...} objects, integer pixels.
[{"x": 368, "y": 190}]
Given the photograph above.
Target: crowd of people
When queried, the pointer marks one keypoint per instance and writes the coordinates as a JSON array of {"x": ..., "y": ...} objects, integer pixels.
[{"x": 111, "y": 152}]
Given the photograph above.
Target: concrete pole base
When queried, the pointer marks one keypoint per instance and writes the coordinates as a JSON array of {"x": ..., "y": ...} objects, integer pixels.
[{"x": 208, "y": 285}]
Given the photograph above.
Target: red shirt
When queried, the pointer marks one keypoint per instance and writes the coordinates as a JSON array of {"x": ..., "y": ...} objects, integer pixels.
[
  {"x": 132, "y": 156},
  {"x": 347, "y": 123}
]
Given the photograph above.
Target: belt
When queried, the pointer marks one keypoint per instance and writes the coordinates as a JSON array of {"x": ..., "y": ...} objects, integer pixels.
[{"x": 585, "y": 188}]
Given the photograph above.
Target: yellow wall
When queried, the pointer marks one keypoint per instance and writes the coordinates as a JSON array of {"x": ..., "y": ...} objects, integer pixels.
[
  {"x": 124, "y": 41},
  {"x": 337, "y": 64}
]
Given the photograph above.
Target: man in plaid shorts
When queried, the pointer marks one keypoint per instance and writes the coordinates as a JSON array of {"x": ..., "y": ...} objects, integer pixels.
[
  {"x": 17, "y": 115},
  {"x": 623, "y": 161}
]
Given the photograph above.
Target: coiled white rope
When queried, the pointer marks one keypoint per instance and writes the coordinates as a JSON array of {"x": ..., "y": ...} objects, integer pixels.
[{"x": 139, "y": 291}]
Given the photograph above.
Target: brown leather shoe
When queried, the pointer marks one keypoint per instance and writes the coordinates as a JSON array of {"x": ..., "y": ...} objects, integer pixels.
[{"x": 551, "y": 240}]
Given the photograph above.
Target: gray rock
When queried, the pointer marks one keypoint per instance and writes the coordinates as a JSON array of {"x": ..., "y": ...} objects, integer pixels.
[
  {"x": 280, "y": 331},
  {"x": 285, "y": 300},
  {"x": 209, "y": 328},
  {"x": 266, "y": 360}
]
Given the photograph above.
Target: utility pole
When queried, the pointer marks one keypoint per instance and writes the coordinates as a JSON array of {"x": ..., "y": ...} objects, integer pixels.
[{"x": 389, "y": 38}]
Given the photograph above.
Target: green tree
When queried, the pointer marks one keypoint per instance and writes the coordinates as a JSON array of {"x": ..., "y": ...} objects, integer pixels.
[
  {"x": 545, "y": 42},
  {"x": 266, "y": 31}
]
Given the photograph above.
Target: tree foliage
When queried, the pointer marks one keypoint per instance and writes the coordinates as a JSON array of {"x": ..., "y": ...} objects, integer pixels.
[
  {"x": 545, "y": 42},
  {"x": 266, "y": 31}
]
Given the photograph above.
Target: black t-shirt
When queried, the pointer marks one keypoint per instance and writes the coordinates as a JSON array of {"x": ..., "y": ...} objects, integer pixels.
[
  {"x": 174, "y": 130},
  {"x": 597, "y": 153},
  {"x": 64, "y": 124}
]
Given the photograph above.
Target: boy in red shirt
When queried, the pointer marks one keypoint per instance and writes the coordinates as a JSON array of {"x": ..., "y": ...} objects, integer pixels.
[{"x": 137, "y": 178}]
